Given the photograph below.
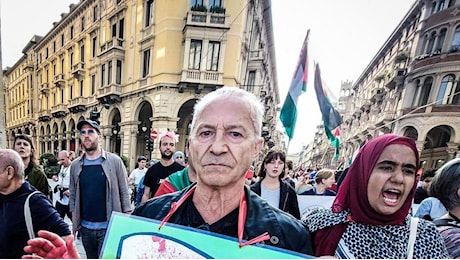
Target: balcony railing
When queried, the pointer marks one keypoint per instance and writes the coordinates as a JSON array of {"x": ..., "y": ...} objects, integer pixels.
[
  {"x": 44, "y": 115},
  {"x": 397, "y": 79},
  {"x": 78, "y": 101},
  {"x": 78, "y": 104},
  {"x": 59, "y": 80},
  {"x": 45, "y": 89},
  {"x": 384, "y": 118},
  {"x": 114, "y": 43},
  {"x": 58, "y": 110},
  {"x": 207, "y": 19},
  {"x": 110, "y": 89},
  {"x": 377, "y": 94},
  {"x": 110, "y": 94},
  {"x": 78, "y": 69},
  {"x": 257, "y": 55},
  {"x": 205, "y": 77}
]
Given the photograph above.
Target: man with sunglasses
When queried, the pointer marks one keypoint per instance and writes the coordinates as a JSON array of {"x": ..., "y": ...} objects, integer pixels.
[{"x": 98, "y": 186}]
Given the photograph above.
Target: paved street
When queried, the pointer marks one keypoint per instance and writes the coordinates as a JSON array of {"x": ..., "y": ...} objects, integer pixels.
[{"x": 78, "y": 242}]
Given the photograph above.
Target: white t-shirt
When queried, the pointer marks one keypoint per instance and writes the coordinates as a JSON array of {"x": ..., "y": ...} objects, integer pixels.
[
  {"x": 137, "y": 175},
  {"x": 271, "y": 196},
  {"x": 64, "y": 182}
]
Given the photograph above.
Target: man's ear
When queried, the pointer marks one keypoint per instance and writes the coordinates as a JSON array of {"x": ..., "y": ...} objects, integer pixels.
[
  {"x": 10, "y": 172},
  {"x": 258, "y": 147},
  {"x": 458, "y": 192}
]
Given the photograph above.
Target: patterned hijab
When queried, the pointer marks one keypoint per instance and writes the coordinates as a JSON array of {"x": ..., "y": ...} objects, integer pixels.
[{"x": 352, "y": 194}]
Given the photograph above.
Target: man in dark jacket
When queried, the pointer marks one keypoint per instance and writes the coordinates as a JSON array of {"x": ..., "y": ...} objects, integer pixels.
[
  {"x": 14, "y": 191},
  {"x": 225, "y": 138}
]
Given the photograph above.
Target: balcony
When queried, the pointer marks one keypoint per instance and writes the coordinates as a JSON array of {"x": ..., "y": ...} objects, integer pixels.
[
  {"x": 257, "y": 55},
  {"x": 29, "y": 65},
  {"x": 204, "y": 77},
  {"x": 78, "y": 69},
  {"x": 366, "y": 105},
  {"x": 384, "y": 118},
  {"x": 110, "y": 94},
  {"x": 44, "y": 115},
  {"x": 377, "y": 94},
  {"x": 77, "y": 105},
  {"x": 59, "y": 80},
  {"x": 206, "y": 19},
  {"x": 200, "y": 79},
  {"x": 45, "y": 89},
  {"x": 397, "y": 79},
  {"x": 113, "y": 48},
  {"x": 58, "y": 111}
]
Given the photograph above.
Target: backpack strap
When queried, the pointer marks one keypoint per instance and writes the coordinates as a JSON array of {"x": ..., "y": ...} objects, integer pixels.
[{"x": 28, "y": 217}]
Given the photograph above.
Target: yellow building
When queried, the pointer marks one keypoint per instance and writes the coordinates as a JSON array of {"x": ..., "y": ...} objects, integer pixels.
[{"x": 147, "y": 62}]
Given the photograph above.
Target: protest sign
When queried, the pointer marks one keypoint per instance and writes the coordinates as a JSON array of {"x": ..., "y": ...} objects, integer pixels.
[{"x": 136, "y": 237}]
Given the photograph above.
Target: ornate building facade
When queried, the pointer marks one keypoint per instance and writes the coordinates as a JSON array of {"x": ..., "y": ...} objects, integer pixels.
[
  {"x": 140, "y": 65},
  {"x": 411, "y": 87}
]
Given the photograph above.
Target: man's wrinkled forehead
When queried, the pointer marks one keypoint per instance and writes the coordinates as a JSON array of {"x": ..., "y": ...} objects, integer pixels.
[{"x": 209, "y": 118}]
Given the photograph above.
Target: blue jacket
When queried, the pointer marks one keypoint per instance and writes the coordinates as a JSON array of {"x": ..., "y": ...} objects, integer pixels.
[
  {"x": 13, "y": 229},
  {"x": 284, "y": 230}
]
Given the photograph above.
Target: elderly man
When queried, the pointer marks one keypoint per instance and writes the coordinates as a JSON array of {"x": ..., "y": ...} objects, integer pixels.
[
  {"x": 225, "y": 138},
  {"x": 98, "y": 186},
  {"x": 62, "y": 187},
  {"x": 14, "y": 191}
]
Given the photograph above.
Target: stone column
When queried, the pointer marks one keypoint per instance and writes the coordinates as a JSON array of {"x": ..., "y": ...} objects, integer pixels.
[
  {"x": 68, "y": 137},
  {"x": 420, "y": 145},
  {"x": 106, "y": 134},
  {"x": 129, "y": 143},
  {"x": 77, "y": 142}
]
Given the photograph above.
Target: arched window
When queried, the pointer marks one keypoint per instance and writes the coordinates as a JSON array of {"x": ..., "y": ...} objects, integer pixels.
[
  {"x": 445, "y": 89},
  {"x": 443, "y": 4},
  {"x": 433, "y": 7},
  {"x": 425, "y": 91},
  {"x": 430, "y": 44},
  {"x": 456, "y": 40},
  {"x": 455, "y": 96},
  {"x": 441, "y": 38}
]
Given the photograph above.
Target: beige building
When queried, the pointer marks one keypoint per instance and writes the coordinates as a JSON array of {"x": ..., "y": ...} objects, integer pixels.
[
  {"x": 411, "y": 87},
  {"x": 141, "y": 65}
]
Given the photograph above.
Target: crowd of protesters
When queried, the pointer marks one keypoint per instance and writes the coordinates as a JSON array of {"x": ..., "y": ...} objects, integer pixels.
[{"x": 372, "y": 214}]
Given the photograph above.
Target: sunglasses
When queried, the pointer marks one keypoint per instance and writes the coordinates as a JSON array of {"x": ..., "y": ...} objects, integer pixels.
[
  {"x": 89, "y": 131},
  {"x": 179, "y": 157}
]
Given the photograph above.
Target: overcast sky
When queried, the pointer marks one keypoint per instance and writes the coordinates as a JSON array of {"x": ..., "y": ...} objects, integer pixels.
[{"x": 344, "y": 37}]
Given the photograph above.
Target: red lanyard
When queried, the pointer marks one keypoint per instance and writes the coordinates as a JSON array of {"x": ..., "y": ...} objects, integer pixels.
[{"x": 241, "y": 218}]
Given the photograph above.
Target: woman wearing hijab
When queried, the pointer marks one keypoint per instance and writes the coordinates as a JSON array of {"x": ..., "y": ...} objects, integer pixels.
[
  {"x": 370, "y": 214},
  {"x": 446, "y": 187},
  {"x": 271, "y": 186}
]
